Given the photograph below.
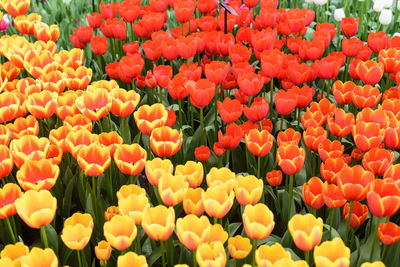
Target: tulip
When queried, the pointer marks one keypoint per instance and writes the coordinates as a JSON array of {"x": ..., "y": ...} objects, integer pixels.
[
  {"x": 306, "y": 231},
  {"x": 192, "y": 230},
  {"x": 313, "y": 136},
  {"x": 6, "y": 161},
  {"x": 239, "y": 247},
  {"x": 148, "y": 118},
  {"x": 192, "y": 171},
  {"x": 192, "y": 201},
  {"x": 94, "y": 159},
  {"x": 374, "y": 264},
  {"x": 358, "y": 214},
  {"x": 14, "y": 252},
  {"x": 323, "y": 255},
  {"x": 258, "y": 221},
  {"x": 330, "y": 149},
  {"x": 290, "y": 158},
  {"x": 103, "y": 250},
  {"x": 8, "y": 195},
  {"x": 349, "y": 26},
  {"x": 383, "y": 198},
  {"x": 354, "y": 182},
  {"x": 37, "y": 175},
  {"x": 131, "y": 259},
  {"x": 378, "y": 160},
  {"x": 222, "y": 176},
  {"x": 159, "y": 222},
  {"x": 217, "y": 201},
  {"x": 341, "y": 124},
  {"x": 133, "y": 206},
  {"x": 120, "y": 232},
  {"x": 389, "y": 233},
  {"x": 202, "y": 153},
  {"x": 312, "y": 193},
  {"x": 367, "y": 135},
  {"x": 274, "y": 177},
  {"x": 110, "y": 212},
  {"x": 130, "y": 159},
  {"x": 156, "y": 168},
  {"x": 211, "y": 254},
  {"x": 172, "y": 188},
  {"x": 332, "y": 196},
  {"x": 201, "y": 92},
  {"x": 248, "y": 189},
  {"x": 165, "y": 141},
  {"x": 269, "y": 255},
  {"x": 77, "y": 231},
  {"x": 47, "y": 258},
  {"x": 232, "y": 138}
]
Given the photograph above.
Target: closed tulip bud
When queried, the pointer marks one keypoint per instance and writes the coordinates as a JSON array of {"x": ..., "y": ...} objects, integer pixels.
[
  {"x": 269, "y": 255},
  {"x": 192, "y": 171},
  {"x": 306, "y": 231},
  {"x": 103, "y": 250},
  {"x": 258, "y": 221},
  {"x": 248, "y": 189},
  {"x": 339, "y": 14},
  {"x": 385, "y": 17},
  {"x": 159, "y": 222},
  {"x": 120, "y": 232},
  {"x": 323, "y": 254},
  {"x": 239, "y": 247},
  {"x": 192, "y": 230},
  {"x": 217, "y": 202},
  {"x": 202, "y": 153},
  {"x": 131, "y": 259},
  {"x": 274, "y": 177}
]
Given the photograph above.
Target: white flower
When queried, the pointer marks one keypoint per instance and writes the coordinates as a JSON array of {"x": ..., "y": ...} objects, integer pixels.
[
  {"x": 378, "y": 6},
  {"x": 385, "y": 17},
  {"x": 339, "y": 14},
  {"x": 320, "y": 2},
  {"x": 387, "y": 3},
  {"x": 309, "y": 1},
  {"x": 396, "y": 34}
]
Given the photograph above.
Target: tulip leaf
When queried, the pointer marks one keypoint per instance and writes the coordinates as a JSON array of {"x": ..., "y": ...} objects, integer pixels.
[
  {"x": 366, "y": 248},
  {"x": 233, "y": 228},
  {"x": 295, "y": 257},
  {"x": 52, "y": 237},
  {"x": 270, "y": 240},
  {"x": 325, "y": 235},
  {"x": 155, "y": 255},
  {"x": 67, "y": 198}
]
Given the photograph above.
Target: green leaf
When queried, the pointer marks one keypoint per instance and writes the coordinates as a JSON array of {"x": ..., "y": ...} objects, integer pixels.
[
  {"x": 52, "y": 237},
  {"x": 67, "y": 198},
  {"x": 233, "y": 227}
]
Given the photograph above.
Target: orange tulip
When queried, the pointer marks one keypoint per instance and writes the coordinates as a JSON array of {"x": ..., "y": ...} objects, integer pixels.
[
  {"x": 43, "y": 104},
  {"x": 130, "y": 159},
  {"x": 378, "y": 160},
  {"x": 165, "y": 141},
  {"x": 66, "y": 105},
  {"x": 269, "y": 255},
  {"x": 15, "y": 8},
  {"x": 274, "y": 177},
  {"x": 46, "y": 33},
  {"x": 239, "y": 247},
  {"x": 5, "y": 135},
  {"x": 77, "y": 140},
  {"x": 156, "y": 168},
  {"x": 94, "y": 104},
  {"x": 79, "y": 78},
  {"x": 259, "y": 143},
  {"x": 70, "y": 59},
  {"x": 36, "y": 208},
  {"x": 120, "y": 232},
  {"x": 77, "y": 231},
  {"x": 8, "y": 194},
  {"x": 9, "y": 103},
  {"x": 192, "y": 230},
  {"x": 290, "y": 158},
  {"x": 94, "y": 159},
  {"x": 103, "y": 250},
  {"x": 393, "y": 174},
  {"x": 341, "y": 123},
  {"x": 288, "y": 136},
  {"x": 217, "y": 202},
  {"x": 6, "y": 161},
  {"x": 53, "y": 81},
  {"x": 313, "y": 136},
  {"x": 258, "y": 221},
  {"x": 29, "y": 147},
  {"x": 330, "y": 149},
  {"x": 383, "y": 198},
  {"x": 192, "y": 171},
  {"x": 110, "y": 212},
  {"x": 365, "y": 96},
  {"x": 192, "y": 201},
  {"x": 332, "y": 196},
  {"x": 14, "y": 252},
  {"x": 354, "y": 182},
  {"x": 110, "y": 140},
  {"x": 389, "y": 233},
  {"x": 323, "y": 255},
  {"x": 306, "y": 231},
  {"x": 222, "y": 176},
  {"x": 211, "y": 254},
  {"x": 47, "y": 258},
  {"x": 37, "y": 63},
  {"x": 159, "y": 222},
  {"x": 358, "y": 214},
  {"x": 123, "y": 102},
  {"x": 248, "y": 189},
  {"x": 131, "y": 259},
  {"x": 38, "y": 175},
  {"x": 148, "y": 118},
  {"x": 312, "y": 193},
  {"x": 370, "y": 72},
  {"x": 77, "y": 122},
  {"x": 24, "y": 24},
  {"x": 367, "y": 135}
]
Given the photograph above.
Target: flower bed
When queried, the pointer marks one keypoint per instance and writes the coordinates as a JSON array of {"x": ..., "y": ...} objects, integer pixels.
[{"x": 200, "y": 133}]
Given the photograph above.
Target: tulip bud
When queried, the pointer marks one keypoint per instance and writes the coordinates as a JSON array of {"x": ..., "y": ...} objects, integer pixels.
[
  {"x": 378, "y": 6},
  {"x": 320, "y": 2},
  {"x": 4, "y": 23},
  {"x": 385, "y": 17}
]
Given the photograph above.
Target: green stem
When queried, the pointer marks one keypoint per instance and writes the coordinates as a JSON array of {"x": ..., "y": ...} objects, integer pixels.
[
  {"x": 94, "y": 196},
  {"x": 162, "y": 253},
  {"x": 78, "y": 252},
  {"x": 374, "y": 240},
  {"x": 138, "y": 245},
  {"x": 348, "y": 222},
  {"x": 259, "y": 167},
  {"x": 332, "y": 212},
  {"x": 180, "y": 113},
  {"x": 100, "y": 63},
  {"x": 290, "y": 195},
  {"x": 201, "y": 127},
  {"x": 384, "y": 252},
  {"x": 253, "y": 261},
  {"x": 44, "y": 237},
  {"x": 194, "y": 258},
  {"x": 307, "y": 256},
  {"x": 13, "y": 238},
  {"x": 283, "y": 117},
  {"x": 227, "y": 157}
]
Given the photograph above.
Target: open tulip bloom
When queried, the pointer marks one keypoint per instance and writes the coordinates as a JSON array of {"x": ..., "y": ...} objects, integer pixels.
[{"x": 201, "y": 133}]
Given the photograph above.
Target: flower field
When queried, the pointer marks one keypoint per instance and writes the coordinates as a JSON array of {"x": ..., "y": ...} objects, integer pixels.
[{"x": 199, "y": 133}]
